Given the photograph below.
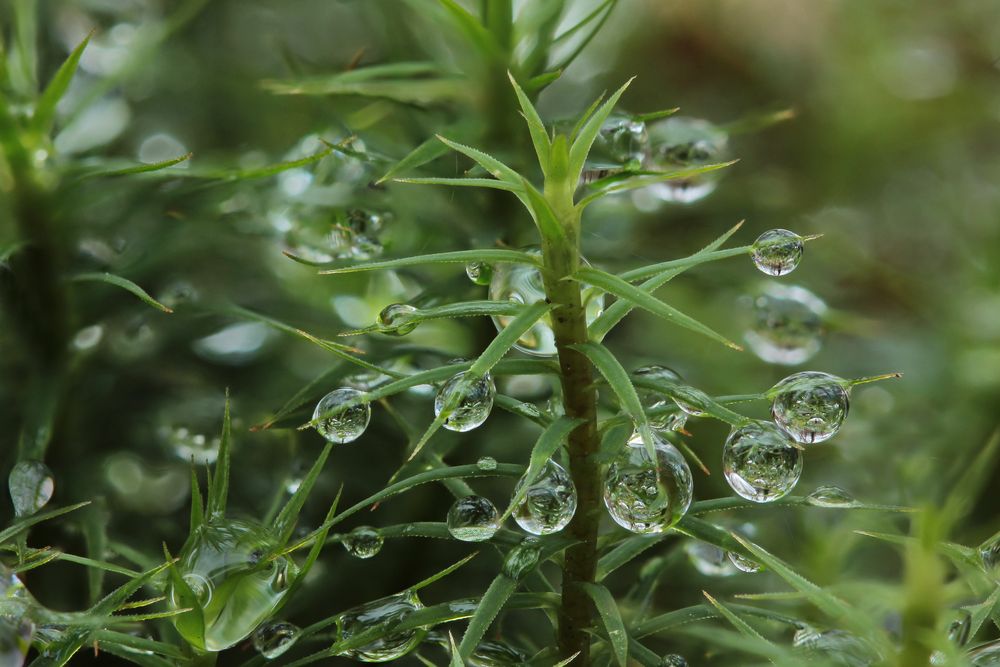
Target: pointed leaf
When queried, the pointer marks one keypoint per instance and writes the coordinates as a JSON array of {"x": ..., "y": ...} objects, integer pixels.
[
  {"x": 651, "y": 179},
  {"x": 219, "y": 490},
  {"x": 542, "y": 213},
  {"x": 284, "y": 524},
  {"x": 137, "y": 169},
  {"x": 493, "y": 166},
  {"x": 455, "y": 257},
  {"x": 429, "y": 150},
  {"x": 737, "y": 622},
  {"x": 490, "y": 183},
  {"x": 589, "y": 131},
  {"x": 45, "y": 109},
  {"x": 608, "y": 609},
  {"x": 492, "y": 602},
  {"x": 24, "y": 524},
  {"x": 546, "y": 446},
  {"x": 190, "y": 624},
  {"x": 123, "y": 283},
  {"x": 539, "y": 139}
]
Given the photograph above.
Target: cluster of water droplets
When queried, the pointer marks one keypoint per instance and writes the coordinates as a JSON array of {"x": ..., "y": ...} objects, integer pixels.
[
  {"x": 466, "y": 400},
  {"x": 386, "y": 613},
  {"x": 644, "y": 494},
  {"x": 549, "y": 501},
  {"x": 342, "y": 415},
  {"x": 31, "y": 486}
]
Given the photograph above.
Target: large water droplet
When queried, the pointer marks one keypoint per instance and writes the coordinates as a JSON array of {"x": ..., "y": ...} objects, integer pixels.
[
  {"x": 810, "y": 406},
  {"x": 274, "y": 638},
  {"x": 760, "y": 462},
  {"x": 363, "y": 542},
  {"x": 836, "y": 646},
  {"x": 522, "y": 559},
  {"x": 396, "y": 319},
  {"x": 622, "y": 142},
  {"x": 473, "y": 519},
  {"x": 522, "y": 283},
  {"x": 480, "y": 273},
  {"x": 647, "y": 496},
  {"x": 550, "y": 501},
  {"x": 349, "y": 414},
  {"x": 16, "y": 629},
  {"x": 673, "y": 660},
  {"x": 31, "y": 486},
  {"x": 777, "y": 252},
  {"x": 238, "y": 581},
  {"x": 495, "y": 654},
  {"x": 830, "y": 496},
  {"x": 677, "y": 143},
  {"x": 474, "y": 401},
  {"x": 709, "y": 559},
  {"x": 786, "y": 324},
  {"x": 486, "y": 463},
  {"x": 657, "y": 402},
  {"x": 386, "y": 613}
]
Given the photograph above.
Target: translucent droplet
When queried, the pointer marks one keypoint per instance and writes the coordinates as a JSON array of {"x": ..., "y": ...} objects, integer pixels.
[
  {"x": 810, "y": 406},
  {"x": 989, "y": 552},
  {"x": 480, "y": 273},
  {"x": 396, "y": 319},
  {"x": 550, "y": 501},
  {"x": 522, "y": 283},
  {"x": 830, "y": 496},
  {"x": 709, "y": 559},
  {"x": 274, "y": 638},
  {"x": 522, "y": 559},
  {"x": 960, "y": 627},
  {"x": 777, "y": 252},
  {"x": 473, "y": 519},
  {"x": 760, "y": 462},
  {"x": 622, "y": 141},
  {"x": 356, "y": 235},
  {"x": 363, "y": 542},
  {"x": 486, "y": 463},
  {"x": 647, "y": 496},
  {"x": 31, "y": 486},
  {"x": 236, "y": 577},
  {"x": 836, "y": 646},
  {"x": 656, "y": 402},
  {"x": 344, "y": 424},
  {"x": 235, "y": 344},
  {"x": 366, "y": 380},
  {"x": 16, "y": 628},
  {"x": 744, "y": 564},
  {"x": 495, "y": 654},
  {"x": 786, "y": 324},
  {"x": 673, "y": 660},
  {"x": 677, "y": 143},
  {"x": 471, "y": 406},
  {"x": 386, "y": 613},
  {"x": 987, "y": 655}
]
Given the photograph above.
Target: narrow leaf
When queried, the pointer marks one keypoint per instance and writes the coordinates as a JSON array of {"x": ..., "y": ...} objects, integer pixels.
[
  {"x": 490, "y": 183},
  {"x": 588, "y": 133},
  {"x": 45, "y": 110},
  {"x": 455, "y": 257},
  {"x": 284, "y": 524},
  {"x": 493, "y": 166},
  {"x": 608, "y": 609},
  {"x": 429, "y": 150},
  {"x": 219, "y": 490},
  {"x": 539, "y": 139},
  {"x": 492, "y": 602},
  {"x": 123, "y": 283}
]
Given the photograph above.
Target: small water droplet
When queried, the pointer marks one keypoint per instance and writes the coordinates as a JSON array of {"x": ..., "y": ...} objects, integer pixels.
[
  {"x": 786, "y": 324},
  {"x": 473, "y": 519},
  {"x": 31, "y": 486},
  {"x": 486, "y": 463},
  {"x": 677, "y": 143},
  {"x": 365, "y": 380},
  {"x": 777, "y": 252},
  {"x": 480, "y": 273},
  {"x": 709, "y": 559},
  {"x": 989, "y": 552},
  {"x": 363, "y": 542},
  {"x": 622, "y": 141},
  {"x": 647, "y": 496},
  {"x": 350, "y": 415},
  {"x": 495, "y": 654},
  {"x": 839, "y": 647},
  {"x": 356, "y": 235},
  {"x": 396, "y": 319},
  {"x": 657, "y": 402},
  {"x": 386, "y": 612},
  {"x": 744, "y": 564},
  {"x": 471, "y": 406},
  {"x": 522, "y": 559},
  {"x": 810, "y": 406},
  {"x": 550, "y": 501},
  {"x": 673, "y": 660},
  {"x": 274, "y": 638},
  {"x": 960, "y": 627},
  {"x": 830, "y": 496},
  {"x": 88, "y": 337},
  {"x": 760, "y": 462}
]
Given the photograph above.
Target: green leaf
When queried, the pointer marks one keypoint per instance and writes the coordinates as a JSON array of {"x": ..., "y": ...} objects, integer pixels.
[
  {"x": 319, "y": 542},
  {"x": 455, "y": 257},
  {"x": 542, "y": 214},
  {"x": 443, "y": 573},
  {"x": 438, "y": 530},
  {"x": 637, "y": 297},
  {"x": 219, "y": 489},
  {"x": 45, "y": 109},
  {"x": 474, "y": 31},
  {"x": 123, "y": 283},
  {"x": 424, "y": 91},
  {"x": 139, "y": 168},
  {"x": 451, "y": 311},
  {"x": 683, "y": 264},
  {"x": 309, "y": 393},
  {"x": 493, "y": 166},
  {"x": 24, "y": 524},
  {"x": 429, "y": 150},
  {"x": 546, "y": 446},
  {"x": 456, "y": 659},
  {"x": 624, "y": 552},
  {"x": 694, "y": 397},
  {"x": 738, "y": 623},
  {"x": 687, "y": 615},
  {"x": 492, "y": 602},
  {"x": 607, "y": 7},
  {"x": 540, "y": 82},
  {"x": 284, "y": 524},
  {"x": 190, "y": 624},
  {"x": 608, "y": 609},
  {"x": 656, "y": 115},
  {"x": 588, "y": 133},
  {"x": 647, "y": 180},
  {"x": 539, "y": 138},
  {"x": 490, "y": 183}
]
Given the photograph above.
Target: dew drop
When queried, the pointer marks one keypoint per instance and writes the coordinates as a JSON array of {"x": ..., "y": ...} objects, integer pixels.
[
  {"x": 480, "y": 273},
  {"x": 786, "y": 324},
  {"x": 522, "y": 559},
  {"x": 486, "y": 463},
  {"x": 989, "y": 552},
  {"x": 31, "y": 486},
  {"x": 810, "y": 406},
  {"x": 830, "y": 496},
  {"x": 387, "y": 613},
  {"x": 987, "y": 655},
  {"x": 677, "y": 143},
  {"x": 709, "y": 559},
  {"x": 673, "y": 660},
  {"x": 356, "y": 235},
  {"x": 549, "y": 503},
  {"x": 622, "y": 141},
  {"x": 274, "y": 638},
  {"x": 777, "y": 252},
  {"x": 837, "y": 646},
  {"x": 647, "y": 496},
  {"x": 744, "y": 564},
  {"x": 760, "y": 462},
  {"x": 470, "y": 401},
  {"x": 960, "y": 628},
  {"x": 349, "y": 414},
  {"x": 396, "y": 319},
  {"x": 363, "y": 542},
  {"x": 655, "y": 403},
  {"x": 16, "y": 628},
  {"x": 495, "y": 654},
  {"x": 473, "y": 519}
]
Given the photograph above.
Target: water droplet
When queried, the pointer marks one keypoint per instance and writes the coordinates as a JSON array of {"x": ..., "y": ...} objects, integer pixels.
[
  {"x": 810, "y": 406},
  {"x": 839, "y": 647},
  {"x": 365, "y": 380},
  {"x": 235, "y": 344},
  {"x": 480, "y": 273},
  {"x": 350, "y": 419},
  {"x": 677, "y": 143},
  {"x": 473, "y": 519},
  {"x": 709, "y": 559},
  {"x": 31, "y": 486},
  {"x": 647, "y": 496},
  {"x": 396, "y": 319},
  {"x": 16, "y": 628},
  {"x": 522, "y": 283},
  {"x": 496, "y": 654},
  {"x": 356, "y": 235},
  {"x": 657, "y": 402},
  {"x": 274, "y": 638},
  {"x": 987, "y": 655},
  {"x": 989, "y": 552},
  {"x": 786, "y": 324},
  {"x": 960, "y": 627},
  {"x": 777, "y": 252},
  {"x": 363, "y": 542},
  {"x": 486, "y": 463},
  {"x": 550, "y": 501},
  {"x": 387, "y": 613},
  {"x": 522, "y": 559},
  {"x": 830, "y": 496},
  {"x": 622, "y": 141},
  {"x": 673, "y": 660},
  {"x": 88, "y": 337},
  {"x": 473, "y": 405},
  {"x": 744, "y": 564},
  {"x": 160, "y": 147},
  {"x": 239, "y": 583},
  {"x": 760, "y": 462}
]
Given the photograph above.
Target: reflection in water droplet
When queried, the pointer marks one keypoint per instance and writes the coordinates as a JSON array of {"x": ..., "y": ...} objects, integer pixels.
[
  {"x": 760, "y": 462},
  {"x": 653, "y": 400},
  {"x": 486, "y": 463},
  {"x": 273, "y": 638},
  {"x": 830, "y": 496},
  {"x": 473, "y": 519},
  {"x": 786, "y": 324},
  {"x": 363, "y": 542},
  {"x": 673, "y": 660},
  {"x": 16, "y": 628},
  {"x": 989, "y": 552},
  {"x": 550, "y": 501},
  {"x": 472, "y": 402},
  {"x": 647, "y": 496},
  {"x": 356, "y": 235},
  {"x": 709, "y": 559},
  {"x": 777, "y": 252},
  {"x": 522, "y": 559},
  {"x": 348, "y": 415},
  {"x": 810, "y": 406},
  {"x": 621, "y": 142},
  {"x": 480, "y": 273},
  {"x": 387, "y": 613},
  {"x": 31, "y": 486},
  {"x": 678, "y": 143},
  {"x": 395, "y": 319},
  {"x": 495, "y": 654},
  {"x": 161, "y": 147},
  {"x": 836, "y": 646}
]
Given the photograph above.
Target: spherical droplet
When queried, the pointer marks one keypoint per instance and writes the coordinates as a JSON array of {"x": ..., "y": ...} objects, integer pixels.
[
  {"x": 522, "y": 283},
  {"x": 836, "y": 646},
  {"x": 657, "y": 402},
  {"x": 786, "y": 324},
  {"x": 480, "y": 273},
  {"x": 744, "y": 564},
  {"x": 622, "y": 142},
  {"x": 473, "y": 519},
  {"x": 469, "y": 401},
  {"x": 396, "y": 319},
  {"x": 495, "y": 654},
  {"x": 645, "y": 495},
  {"x": 486, "y": 463},
  {"x": 385, "y": 612},
  {"x": 709, "y": 559},
  {"x": 960, "y": 627},
  {"x": 987, "y": 655},
  {"x": 677, "y": 143},
  {"x": 363, "y": 542},
  {"x": 760, "y": 462},
  {"x": 522, "y": 559},
  {"x": 347, "y": 415},
  {"x": 673, "y": 660},
  {"x": 549, "y": 502},
  {"x": 356, "y": 235},
  {"x": 777, "y": 252},
  {"x": 274, "y": 638},
  {"x": 810, "y": 406},
  {"x": 31, "y": 486},
  {"x": 16, "y": 626},
  {"x": 830, "y": 496}
]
